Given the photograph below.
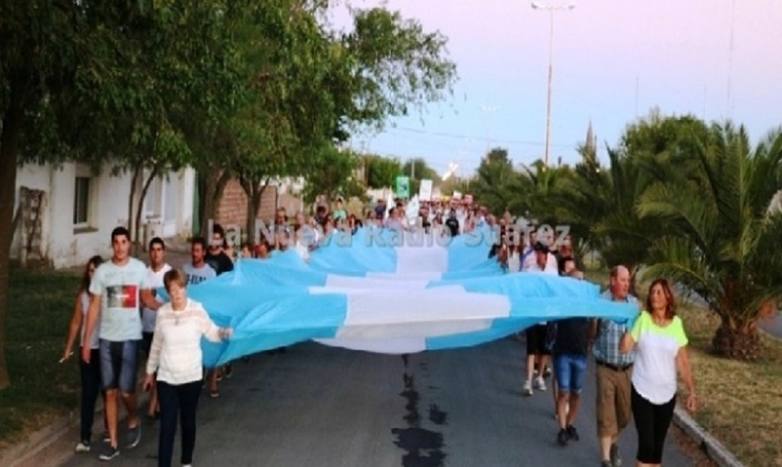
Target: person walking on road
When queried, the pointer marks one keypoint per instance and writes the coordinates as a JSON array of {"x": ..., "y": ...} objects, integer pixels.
[
  {"x": 156, "y": 269},
  {"x": 537, "y": 353},
  {"x": 118, "y": 288},
  {"x": 613, "y": 369},
  {"x": 90, "y": 372},
  {"x": 660, "y": 345},
  {"x": 197, "y": 271},
  {"x": 175, "y": 357}
]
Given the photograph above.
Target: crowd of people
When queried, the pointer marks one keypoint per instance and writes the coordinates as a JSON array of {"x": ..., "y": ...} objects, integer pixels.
[{"x": 117, "y": 315}]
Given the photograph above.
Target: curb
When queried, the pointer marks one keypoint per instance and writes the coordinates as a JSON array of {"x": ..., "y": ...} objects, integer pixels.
[
  {"x": 38, "y": 440},
  {"x": 715, "y": 450},
  {"x": 36, "y": 449}
]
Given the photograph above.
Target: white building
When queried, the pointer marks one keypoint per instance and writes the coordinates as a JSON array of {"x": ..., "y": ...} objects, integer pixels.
[{"x": 79, "y": 209}]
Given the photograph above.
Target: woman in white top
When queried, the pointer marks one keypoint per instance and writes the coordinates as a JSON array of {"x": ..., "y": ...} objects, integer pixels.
[
  {"x": 660, "y": 343},
  {"x": 90, "y": 372},
  {"x": 176, "y": 357}
]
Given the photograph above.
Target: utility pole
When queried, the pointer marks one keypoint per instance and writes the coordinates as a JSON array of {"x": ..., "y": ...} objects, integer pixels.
[{"x": 551, "y": 9}]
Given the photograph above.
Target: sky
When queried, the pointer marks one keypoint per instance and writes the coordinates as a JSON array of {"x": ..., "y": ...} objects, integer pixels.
[{"x": 613, "y": 61}]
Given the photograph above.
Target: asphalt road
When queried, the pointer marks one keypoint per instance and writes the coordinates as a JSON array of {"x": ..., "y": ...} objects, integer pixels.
[{"x": 328, "y": 407}]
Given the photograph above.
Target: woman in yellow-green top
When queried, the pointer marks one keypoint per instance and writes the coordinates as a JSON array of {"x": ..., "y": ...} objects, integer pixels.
[{"x": 661, "y": 349}]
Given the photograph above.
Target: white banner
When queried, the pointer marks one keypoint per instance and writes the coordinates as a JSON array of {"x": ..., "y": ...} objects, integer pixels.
[{"x": 425, "y": 190}]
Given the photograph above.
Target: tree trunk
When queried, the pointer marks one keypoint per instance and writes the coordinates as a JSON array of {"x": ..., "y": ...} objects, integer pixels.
[
  {"x": 9, "y": 142},
  {"x": 254, "y": 192},
  {"x": 214, "y": 185},
  {"x": 140, "y": 206},
  {"x": 739, "y": 341},
  {"x": 133, "y": 182}
]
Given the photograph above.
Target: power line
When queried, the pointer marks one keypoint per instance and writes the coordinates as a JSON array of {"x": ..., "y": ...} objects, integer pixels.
[{"x": 478, "y": 138}]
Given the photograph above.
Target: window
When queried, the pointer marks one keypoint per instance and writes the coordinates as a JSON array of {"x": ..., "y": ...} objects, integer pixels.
[{"x": 81, "y": 201}]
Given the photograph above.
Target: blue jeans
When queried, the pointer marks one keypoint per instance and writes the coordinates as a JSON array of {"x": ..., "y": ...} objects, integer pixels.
[
  {"x": 570, "y": 370},
  {"x": 118, "y": 365}
]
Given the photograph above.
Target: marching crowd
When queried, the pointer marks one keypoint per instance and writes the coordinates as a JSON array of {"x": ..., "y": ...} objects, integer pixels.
[{"x": 117, "y": 316}]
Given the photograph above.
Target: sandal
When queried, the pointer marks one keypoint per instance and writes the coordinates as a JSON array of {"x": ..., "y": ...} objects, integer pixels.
[{"x": 214, "y": 394}]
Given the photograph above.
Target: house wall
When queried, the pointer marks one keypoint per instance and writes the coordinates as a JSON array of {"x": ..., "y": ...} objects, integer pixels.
[{"x": 66, "y": 245}]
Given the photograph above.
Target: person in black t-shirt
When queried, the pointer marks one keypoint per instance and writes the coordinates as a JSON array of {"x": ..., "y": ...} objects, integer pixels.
[
  {"x": 216, "y": 257},
  {"x": 569, "y": 349},
  {"x": 452, "y": 223}
]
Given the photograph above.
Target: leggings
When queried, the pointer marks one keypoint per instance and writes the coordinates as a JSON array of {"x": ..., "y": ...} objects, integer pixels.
[
  {"x": 177, "y": 400},
  {"x": 651, "y": 422},
  {"x": 90, "y": 388}
]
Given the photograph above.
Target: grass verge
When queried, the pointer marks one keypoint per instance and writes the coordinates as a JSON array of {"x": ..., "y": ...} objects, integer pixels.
[
  {"x": 740, "y": 401},
  {"x": 41, "y": 389}
]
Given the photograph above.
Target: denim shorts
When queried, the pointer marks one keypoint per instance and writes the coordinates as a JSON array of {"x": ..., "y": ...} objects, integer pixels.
[
  {"x": 118, "y": 362},
  {"x": 570, "y": 370}
]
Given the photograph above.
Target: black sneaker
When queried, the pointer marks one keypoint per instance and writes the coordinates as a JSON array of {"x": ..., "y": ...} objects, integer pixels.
[
  {"x": 572, "y": 433},
  {"x": 134, "y": 436},
  {"x": 616, "y": 461},
  {"x": 562, "y": 437},
  {"x": 108, "y": 453}
]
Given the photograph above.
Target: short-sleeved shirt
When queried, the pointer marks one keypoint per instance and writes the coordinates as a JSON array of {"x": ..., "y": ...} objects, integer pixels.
[
  {"x": 609, "y": 336},
  {"x": 154, "y": 281},
  {"x": 194, "y": 275},
  {"x": 220, "y": 263},
  {"x": 654, "y": 375},
  {"x": 119, "y": 288},
  {"x": 572, "y": 334}
]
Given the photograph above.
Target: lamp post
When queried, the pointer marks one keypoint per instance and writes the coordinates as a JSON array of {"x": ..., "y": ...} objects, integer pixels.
[{"x": 551, "y": 9}]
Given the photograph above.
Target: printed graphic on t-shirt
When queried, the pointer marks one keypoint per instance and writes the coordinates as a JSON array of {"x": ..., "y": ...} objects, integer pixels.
[
  {"x": 122, "y": 296},
  {"x": 192, "y": 279}
]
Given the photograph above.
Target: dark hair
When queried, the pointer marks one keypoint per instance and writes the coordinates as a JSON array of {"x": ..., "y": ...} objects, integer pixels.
[
  {"x": 198, "y": 241},
  {"x": 85, "y": 278},
  {"x": 563, "y": 262},
  {"x": 539, "y": 246},
  {"x": 158, "y": 241},
  {"x": 119, "y": 231},
  {"x": 670, "y": 307},
  {"x": 173, "y": 276},
  {"x": 218, "y": 229}
]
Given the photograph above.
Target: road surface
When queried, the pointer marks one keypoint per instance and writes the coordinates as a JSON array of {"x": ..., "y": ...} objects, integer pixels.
[{"x": 327, "y": 407}]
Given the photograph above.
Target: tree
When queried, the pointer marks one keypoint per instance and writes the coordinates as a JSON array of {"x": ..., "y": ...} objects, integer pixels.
[
  {"x": 331, "y": 174},
  {"x": 37, "y": 70},
  {"x": 418, "y": 169},
  {"x": 722, "y": 238},
  {"x": 381, "y": 172},
  {"x": 102, "y": 83},
  {"x": 497, "y": 184}
]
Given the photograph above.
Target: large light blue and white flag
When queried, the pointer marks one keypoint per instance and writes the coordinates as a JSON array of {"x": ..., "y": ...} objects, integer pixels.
[{"x": 380, "y": 292}]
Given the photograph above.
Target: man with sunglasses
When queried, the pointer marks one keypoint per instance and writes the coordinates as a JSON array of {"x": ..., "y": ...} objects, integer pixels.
[{"x": 216, "y": 257}]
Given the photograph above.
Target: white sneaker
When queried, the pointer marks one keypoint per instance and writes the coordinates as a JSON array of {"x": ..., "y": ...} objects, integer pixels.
[
  {"x": 82, "y": 447},
  {"x": 527, "y": 391},
  {"x": 540, "y": 384}
]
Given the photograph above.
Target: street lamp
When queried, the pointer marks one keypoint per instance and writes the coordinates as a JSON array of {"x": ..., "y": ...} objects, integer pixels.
[{"x": 551, "y": 9}]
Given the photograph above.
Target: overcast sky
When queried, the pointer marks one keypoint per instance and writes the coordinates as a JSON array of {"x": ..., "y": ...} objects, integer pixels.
[{"x": 613, "y": 61}]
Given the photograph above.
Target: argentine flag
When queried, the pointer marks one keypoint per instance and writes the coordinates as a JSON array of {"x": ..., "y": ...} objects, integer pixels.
[{"x": 388, "y": 292}]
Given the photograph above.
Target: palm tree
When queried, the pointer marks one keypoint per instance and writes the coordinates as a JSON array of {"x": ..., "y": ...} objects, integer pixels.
[{"x": 721, "y": 238}]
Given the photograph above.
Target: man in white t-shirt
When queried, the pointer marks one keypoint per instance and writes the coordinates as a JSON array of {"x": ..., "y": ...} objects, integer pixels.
[
  {"x": 198, "y": 270},
  {"x": 543, "y": 262},
  {"x": 540, "y": 261},
  {"x": 155, "y": 271},
  {"x": 117, "y": 290}
]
